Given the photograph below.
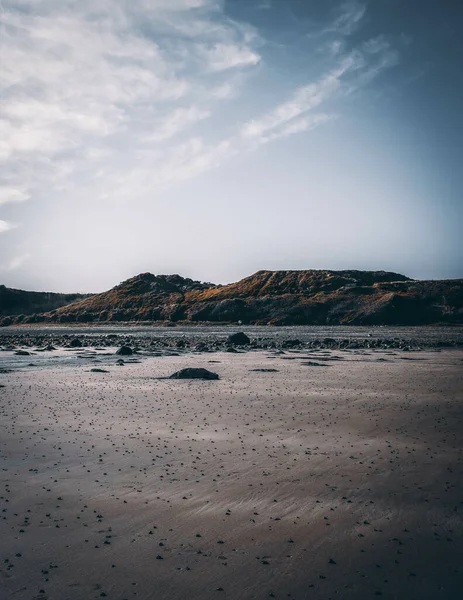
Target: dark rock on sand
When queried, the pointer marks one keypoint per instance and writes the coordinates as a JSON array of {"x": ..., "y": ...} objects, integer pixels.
[
  {"x": 125, "y": 351},
  {"x": 192, "y": 373},
  {"x": 238, "y": 339},
  {"x": 22, "y": 353},
  {"x": 75, "y": 343}
]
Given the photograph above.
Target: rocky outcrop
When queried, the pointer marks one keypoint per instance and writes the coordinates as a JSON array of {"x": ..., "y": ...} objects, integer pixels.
[{"x": 272, "y": 297}]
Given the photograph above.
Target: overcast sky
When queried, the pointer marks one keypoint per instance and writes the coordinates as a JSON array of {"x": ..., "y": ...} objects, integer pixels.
[{"x": 215, "y": 138}]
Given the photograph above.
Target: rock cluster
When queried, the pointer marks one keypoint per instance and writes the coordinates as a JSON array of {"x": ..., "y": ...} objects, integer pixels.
[{"x": 23, "y": 341}]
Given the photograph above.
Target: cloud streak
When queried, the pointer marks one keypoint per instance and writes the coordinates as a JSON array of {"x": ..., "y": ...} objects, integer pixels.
[
  {"x": 176, "y": 122},
  {"x": 349, "y": 17},
  {"x": 304, "y": 99}
]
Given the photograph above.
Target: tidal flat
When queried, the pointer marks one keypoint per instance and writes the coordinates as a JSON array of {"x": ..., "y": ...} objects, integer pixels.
[{"x": 305, "y": 472}]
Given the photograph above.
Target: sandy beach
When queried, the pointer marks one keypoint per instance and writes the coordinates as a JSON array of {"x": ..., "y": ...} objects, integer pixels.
[{"x": 327, "y": 474}]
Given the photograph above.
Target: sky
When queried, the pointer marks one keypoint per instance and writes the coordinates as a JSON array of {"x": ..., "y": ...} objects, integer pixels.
[{"x": 216, "y": 138}]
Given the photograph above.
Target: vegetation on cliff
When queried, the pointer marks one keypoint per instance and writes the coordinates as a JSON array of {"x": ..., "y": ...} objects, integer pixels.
[{"x": 271, "y": 297}]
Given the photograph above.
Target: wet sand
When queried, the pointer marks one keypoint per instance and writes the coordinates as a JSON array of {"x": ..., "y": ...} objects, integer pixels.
[{"x": 339, "y": 475}]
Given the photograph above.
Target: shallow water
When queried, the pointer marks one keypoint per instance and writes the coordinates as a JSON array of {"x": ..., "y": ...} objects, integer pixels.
[{"x": 59, "y": 357}]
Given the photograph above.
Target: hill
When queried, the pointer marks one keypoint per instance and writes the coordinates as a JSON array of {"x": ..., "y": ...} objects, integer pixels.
[
  {"x": 145, "y": 297},
  {"x": 20, "y": 302},
  {"x": 311, "y": 297}
]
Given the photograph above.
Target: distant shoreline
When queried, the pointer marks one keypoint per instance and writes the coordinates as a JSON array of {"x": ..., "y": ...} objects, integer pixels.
[
  {"x": 211, "y": 324},
  {"x": 146, "y": 339}
]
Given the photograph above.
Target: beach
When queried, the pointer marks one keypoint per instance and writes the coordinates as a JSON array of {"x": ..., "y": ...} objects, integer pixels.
[{"x": 306, "y": 473}]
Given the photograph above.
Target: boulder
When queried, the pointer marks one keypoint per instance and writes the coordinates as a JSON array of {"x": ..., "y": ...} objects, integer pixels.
[
  {"x": 125, "y": 351},
  {"x": 238, "y": 339},
  {"x": 194, "y": 374},
  {"x": 75, "y": 343}
]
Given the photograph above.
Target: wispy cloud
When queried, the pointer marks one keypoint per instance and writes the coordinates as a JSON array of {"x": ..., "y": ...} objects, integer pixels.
[
  {"x": 5, "y": 226},
  {"x": 176, "y": 122},
  {"x": 121, "y": 98},
  {"x": 346, "y": 18},
  {"x": 349, "y": 16},
  {"x": 304, "y": 99},
  {"x": 12, "y": 194},
  {"x": 82, "y": 75},
  {"x": 222, "y": 57},
  {"x": 298, "y": 126}
]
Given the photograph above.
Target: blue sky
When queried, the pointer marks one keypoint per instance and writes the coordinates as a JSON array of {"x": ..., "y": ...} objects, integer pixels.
[{"x": 215, "y": 138}]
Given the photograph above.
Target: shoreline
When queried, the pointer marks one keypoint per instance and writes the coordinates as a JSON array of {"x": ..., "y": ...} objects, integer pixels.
[
  {"x": 194, "y": 324},
  {"x": 146, "y": 340}
]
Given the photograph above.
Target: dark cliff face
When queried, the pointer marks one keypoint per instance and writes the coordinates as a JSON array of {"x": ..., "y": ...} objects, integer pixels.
[
  {"x": 274, "y": 297},
  {"x": 20, "y": 302}
]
